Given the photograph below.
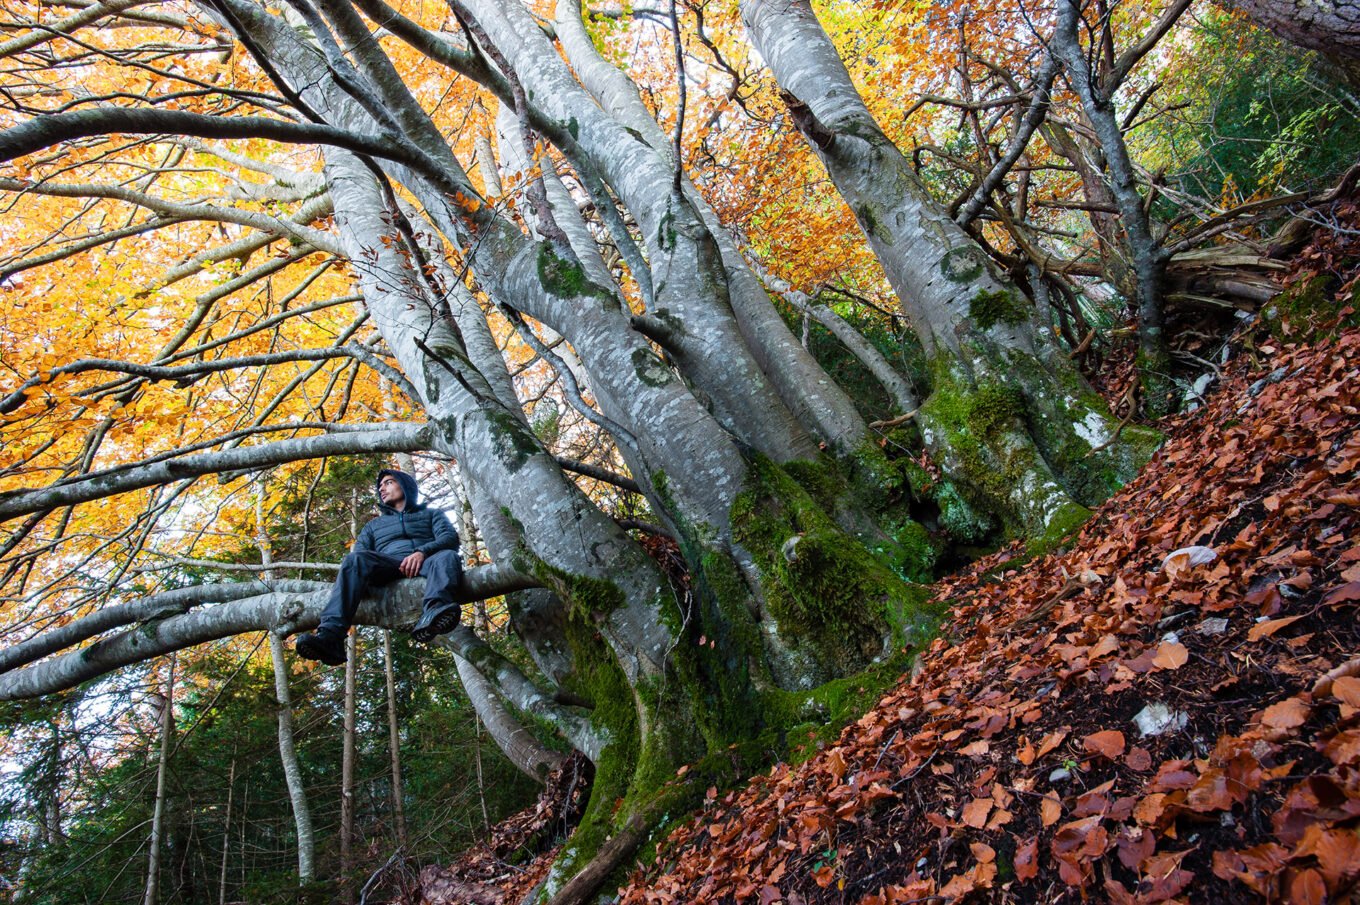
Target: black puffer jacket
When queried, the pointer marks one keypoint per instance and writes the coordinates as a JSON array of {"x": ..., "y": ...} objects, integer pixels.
[{"x": 415, "y": 529}]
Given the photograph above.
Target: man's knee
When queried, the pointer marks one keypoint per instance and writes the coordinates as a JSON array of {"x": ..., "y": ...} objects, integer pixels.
[
  {"x": 360, "y": 561},
  {"x": 444, "y": 561}
]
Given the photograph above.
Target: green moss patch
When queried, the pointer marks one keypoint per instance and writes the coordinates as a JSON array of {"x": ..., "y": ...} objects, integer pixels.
[
  {"x": 1309, "y": 307},
  {"x": 1001, "y": 306},
  {"x": 514, "y": 443},
  {"x": 828, "y": 594},
  {"x": 566, "y": 278}
]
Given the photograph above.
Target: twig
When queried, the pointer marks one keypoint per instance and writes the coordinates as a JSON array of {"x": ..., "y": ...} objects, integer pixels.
[
  {"x": 363, "y": 893},
  {"x": 893, "y": 422},
  {"x": 887, "y": 745}
]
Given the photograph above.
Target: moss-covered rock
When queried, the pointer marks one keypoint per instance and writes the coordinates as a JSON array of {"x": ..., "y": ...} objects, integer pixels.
[{"x": 1307, "y": 307}]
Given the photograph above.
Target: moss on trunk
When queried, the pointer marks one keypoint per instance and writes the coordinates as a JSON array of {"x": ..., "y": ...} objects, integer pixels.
[{"x": 836, "y": 606}]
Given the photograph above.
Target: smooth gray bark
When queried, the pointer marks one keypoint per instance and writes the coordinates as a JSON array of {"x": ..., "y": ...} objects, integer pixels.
[
  {"x": 290, "y": 607},
  {"x": 821, "y": 406},
  {"x": 687, "y": 271},
  {"x": 151, "y": 894},
  {"x": 515, "y": 742},
  {"x": 394, "y": 742},
  {"x": 292, "y": 771},
  {"x": 48, "y": 641},
  {"x": 970, "y": 320},
  {"x": 242, "y": 458},
  {"x": 347, "y": 752}
]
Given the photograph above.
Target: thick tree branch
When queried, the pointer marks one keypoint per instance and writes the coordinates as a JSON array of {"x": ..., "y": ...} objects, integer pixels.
[
  {"x": 1034, "y": 115},
  {"x": 157, "y": 606},
  {"x": 405, "y": 439},
  {"x": 295, "y": 607},
  {"x": 155, "y": 222},
  {"x": 50, "y": 31},
  {"x": 44, "y": 132},
  {"x": 599, "y": 474},
  {"x": 510, "y": 682},
  {"x": 184, "y": 375}
]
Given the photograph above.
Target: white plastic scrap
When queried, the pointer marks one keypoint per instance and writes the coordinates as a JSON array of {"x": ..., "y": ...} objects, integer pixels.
[
  {"x": 1157, "y": 718},
  {"x": 1186, "y": 557}
]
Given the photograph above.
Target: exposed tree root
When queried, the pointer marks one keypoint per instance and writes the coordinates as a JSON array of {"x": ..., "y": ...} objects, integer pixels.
[{"x": 613, "y": 853}]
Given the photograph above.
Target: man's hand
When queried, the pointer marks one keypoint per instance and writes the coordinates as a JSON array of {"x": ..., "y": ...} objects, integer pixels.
[{"x": 410, "y": 566}]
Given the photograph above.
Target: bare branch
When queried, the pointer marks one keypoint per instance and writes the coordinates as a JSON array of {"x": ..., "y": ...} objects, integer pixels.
[
  {"x": 52, "y": 30},
  {"x": 407, "y": 438},
  {"x": 585, "y": 469},
  {"x": 1034, "y": 115},
  {"x": 191, "y": 211}
]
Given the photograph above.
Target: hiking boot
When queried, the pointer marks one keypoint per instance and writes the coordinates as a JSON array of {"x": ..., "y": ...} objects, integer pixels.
[
  {"x": 323, "y": 646},
  {"x": 437, "y": 619}
]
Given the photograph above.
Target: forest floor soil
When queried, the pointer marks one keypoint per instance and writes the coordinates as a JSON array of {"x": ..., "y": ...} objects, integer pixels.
[{"x": 1111, "y": 722}]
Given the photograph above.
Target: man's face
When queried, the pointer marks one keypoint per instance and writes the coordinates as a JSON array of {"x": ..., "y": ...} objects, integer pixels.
[{"x": 389, "y": 491}]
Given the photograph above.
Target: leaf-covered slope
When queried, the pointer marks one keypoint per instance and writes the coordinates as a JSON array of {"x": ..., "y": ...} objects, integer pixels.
[{"x": 1011, "y": 766}]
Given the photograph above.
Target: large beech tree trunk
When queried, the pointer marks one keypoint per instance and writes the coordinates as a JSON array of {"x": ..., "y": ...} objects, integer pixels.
[
  {"x": 1006, "y": 417},
  {"x": 1330, "y": 27}
]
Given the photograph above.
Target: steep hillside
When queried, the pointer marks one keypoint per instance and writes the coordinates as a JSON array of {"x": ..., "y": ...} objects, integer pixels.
[
  {"x": 1112, "y": 721},
  {"x": 1117, "y": 721}
]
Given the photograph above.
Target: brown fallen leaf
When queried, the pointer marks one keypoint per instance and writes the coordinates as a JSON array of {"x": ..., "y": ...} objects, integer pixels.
[
  {"x": 1307, "y": 888},
  {"x": 1347, "y": 593},
  {"x": 1347, "y": 689},
  {"x": 1050, "y": 809},
  {"x": 983, "y": 852},
  {"x": 1323, "y": 686},
  {"x": 1287, "y": 714},
  {"x": 1266, "y": 629},
  {"x": 1170, "y": 655},
  {"x": 1139, "y": 760},
  {"x": 1027, "y": 859},
  {"x": 1051, "y": 741},
  {"x": 975, "y": 812},
  {"x": 1109, "y": 743}
]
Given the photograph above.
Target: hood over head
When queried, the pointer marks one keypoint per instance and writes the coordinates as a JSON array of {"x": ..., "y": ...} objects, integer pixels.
[{"x": 409, "y": 488}]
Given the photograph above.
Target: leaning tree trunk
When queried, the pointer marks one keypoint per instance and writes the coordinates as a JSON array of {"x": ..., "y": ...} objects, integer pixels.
[
  {"x": 292, "y": 770},
  {"x": 1149, "y": 259},
  {"x": 226, "y": 834},
  {"x": 347, "y": 756},
  {"x": 509, "y": 734},
  {"x": 821, "y": 405},
  {"x": 1007, "y": 419},
  {"x": 394, "y": 745},
  {"x": 151, "y": 895}
]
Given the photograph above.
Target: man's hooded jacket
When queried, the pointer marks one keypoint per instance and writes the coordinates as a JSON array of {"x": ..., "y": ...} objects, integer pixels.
[{"x": 415, "y": 529}]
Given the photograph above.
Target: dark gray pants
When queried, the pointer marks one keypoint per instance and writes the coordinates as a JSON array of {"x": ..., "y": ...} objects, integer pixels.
[{"x": 364, "y": 569}]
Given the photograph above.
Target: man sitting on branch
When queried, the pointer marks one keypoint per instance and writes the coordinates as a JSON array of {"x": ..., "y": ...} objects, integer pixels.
[{"x": 406, "y": 540}]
